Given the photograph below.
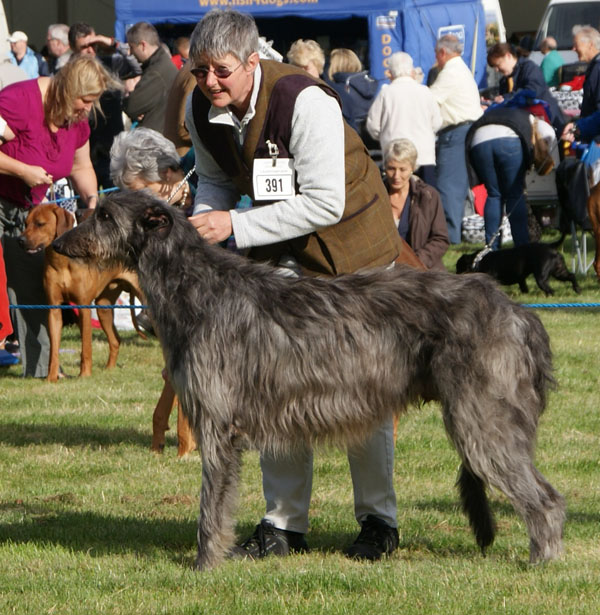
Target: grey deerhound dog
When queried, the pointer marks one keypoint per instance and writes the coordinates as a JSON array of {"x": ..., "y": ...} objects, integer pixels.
[{"x": 261, "y": 359}]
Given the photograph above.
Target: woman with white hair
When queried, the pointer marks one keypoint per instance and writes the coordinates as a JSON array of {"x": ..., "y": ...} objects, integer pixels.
[
  {"x": 407, "y": 109},
  {"x": 416, "y": 206},
  {"x": 143, "y": 158}
]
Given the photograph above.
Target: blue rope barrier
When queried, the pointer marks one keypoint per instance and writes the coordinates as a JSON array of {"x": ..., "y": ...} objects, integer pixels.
[
  {"x": 79, "y": 307},
  {"x": 76, "y": 196},
  {"x": 560, "y": 305}
]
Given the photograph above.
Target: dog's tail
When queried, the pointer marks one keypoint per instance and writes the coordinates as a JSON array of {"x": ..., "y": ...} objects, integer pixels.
[
  {"x": 556, "y": 244},
  {"x": 476, "y": 506}
]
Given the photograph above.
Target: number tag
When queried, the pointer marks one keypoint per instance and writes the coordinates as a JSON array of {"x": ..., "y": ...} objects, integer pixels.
[{"x": 273, "y": 182}]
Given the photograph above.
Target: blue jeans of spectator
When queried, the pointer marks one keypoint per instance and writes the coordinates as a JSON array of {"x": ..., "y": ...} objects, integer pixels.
[
  {"x": 452, "y": 178},
  {"x": 501, "y": 166}
]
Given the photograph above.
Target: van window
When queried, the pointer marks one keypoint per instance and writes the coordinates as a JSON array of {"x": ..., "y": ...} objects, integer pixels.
[{"x": 560, "y": 19}]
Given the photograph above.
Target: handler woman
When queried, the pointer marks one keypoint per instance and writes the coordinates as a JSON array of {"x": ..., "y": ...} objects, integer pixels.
[{"x": 44, "y": 134}]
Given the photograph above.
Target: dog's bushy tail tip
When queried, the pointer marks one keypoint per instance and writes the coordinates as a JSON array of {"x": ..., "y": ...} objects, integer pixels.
[{"x": 476, "y": 506}]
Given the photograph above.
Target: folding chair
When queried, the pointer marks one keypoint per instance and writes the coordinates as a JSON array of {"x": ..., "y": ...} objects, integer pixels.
[{"x": 573, "y": 190}]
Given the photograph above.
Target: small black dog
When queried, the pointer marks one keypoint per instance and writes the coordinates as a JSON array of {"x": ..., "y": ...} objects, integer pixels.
[{"x": 513, "y": 265}]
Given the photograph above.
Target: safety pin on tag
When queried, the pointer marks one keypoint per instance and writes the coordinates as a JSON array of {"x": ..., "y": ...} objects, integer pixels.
[{"x": 273, "y": 151}]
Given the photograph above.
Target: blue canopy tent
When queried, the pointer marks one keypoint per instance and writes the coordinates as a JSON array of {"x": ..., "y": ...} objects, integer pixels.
[{"x": 393, "y": 25}]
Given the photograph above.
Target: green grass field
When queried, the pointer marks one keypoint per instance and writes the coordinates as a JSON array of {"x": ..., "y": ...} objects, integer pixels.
[{"x": 92, "y": 522}]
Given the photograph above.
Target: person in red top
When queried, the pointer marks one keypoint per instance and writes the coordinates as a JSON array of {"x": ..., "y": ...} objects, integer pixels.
[
  {"x": 44, "y": 134},
  {"x": 5, "y": 325},
  {"x": 181, "y": 46}
]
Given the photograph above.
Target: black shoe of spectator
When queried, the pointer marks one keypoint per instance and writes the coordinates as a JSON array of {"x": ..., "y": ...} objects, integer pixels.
[
  {"x": 376, "y": 538},
  {"x": 268, "y": 540}
]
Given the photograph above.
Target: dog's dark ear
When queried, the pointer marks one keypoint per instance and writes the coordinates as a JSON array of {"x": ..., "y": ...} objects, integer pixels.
[{"x": 157, "y": 220}]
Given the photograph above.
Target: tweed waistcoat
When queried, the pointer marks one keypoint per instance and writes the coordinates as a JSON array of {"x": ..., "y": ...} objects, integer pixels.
[{"x": 365, "y": 236}]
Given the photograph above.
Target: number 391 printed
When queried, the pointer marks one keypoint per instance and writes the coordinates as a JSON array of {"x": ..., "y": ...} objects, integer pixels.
[{"x": 272, "y": 183}]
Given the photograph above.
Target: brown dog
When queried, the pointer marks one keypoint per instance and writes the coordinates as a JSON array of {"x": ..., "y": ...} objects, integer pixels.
[
  {"x": 66, "y": 280},
  {"x": 186, "y": 443},
  {"x": 593, "y": 207}
]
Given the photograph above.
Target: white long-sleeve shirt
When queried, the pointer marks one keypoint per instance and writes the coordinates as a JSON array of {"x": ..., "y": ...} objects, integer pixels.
[
  {"x": 317, "y": 147},
  {"x": 406, "y": 109},
  {"x": 457, "y": 94}
]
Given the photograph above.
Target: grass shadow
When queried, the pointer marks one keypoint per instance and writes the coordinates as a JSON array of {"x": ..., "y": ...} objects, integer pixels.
[
  {"x": 95, "y": 534},
  {"x": 88, "y": 436}
]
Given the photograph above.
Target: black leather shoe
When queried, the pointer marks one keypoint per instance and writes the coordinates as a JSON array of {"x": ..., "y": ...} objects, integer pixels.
[
  {"x": 269, "y": 540},
  {"x": 376, "y": 539}
]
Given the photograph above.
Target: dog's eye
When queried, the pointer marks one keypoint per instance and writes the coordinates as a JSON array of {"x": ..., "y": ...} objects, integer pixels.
[{"x": 102, "y": 214}]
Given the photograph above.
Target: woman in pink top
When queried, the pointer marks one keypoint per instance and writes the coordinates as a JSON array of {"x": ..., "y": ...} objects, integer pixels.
[{"x": 44, "y": 134}]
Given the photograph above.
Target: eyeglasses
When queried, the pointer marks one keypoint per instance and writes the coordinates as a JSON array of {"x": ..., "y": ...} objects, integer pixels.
[{"x": 221, "y": 72}]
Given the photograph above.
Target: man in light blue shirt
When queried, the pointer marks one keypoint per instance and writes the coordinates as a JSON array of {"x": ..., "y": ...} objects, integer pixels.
[{"x": 26, "y": 58}]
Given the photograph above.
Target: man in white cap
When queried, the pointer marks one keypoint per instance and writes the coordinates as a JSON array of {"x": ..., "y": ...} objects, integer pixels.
[{"x": 26, "y": 58}]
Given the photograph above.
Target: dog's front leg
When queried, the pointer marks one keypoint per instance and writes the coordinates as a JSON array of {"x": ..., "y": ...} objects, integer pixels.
[
  {"x": 85, "y": 327},
  {"x": 54, "y": 333},
  {"x": 221, "y": 458}
]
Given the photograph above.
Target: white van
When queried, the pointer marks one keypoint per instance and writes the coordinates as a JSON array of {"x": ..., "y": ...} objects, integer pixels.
[{"x": 558, "y": 21}]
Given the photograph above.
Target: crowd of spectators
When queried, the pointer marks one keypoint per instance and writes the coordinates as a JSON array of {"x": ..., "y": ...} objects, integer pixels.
[{"x": 431, "y": 138}]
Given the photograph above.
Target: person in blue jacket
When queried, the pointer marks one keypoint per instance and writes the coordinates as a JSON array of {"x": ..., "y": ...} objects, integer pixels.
[
  {"x": 355, "y": 87},
  {"x": 523, "y": 74}
]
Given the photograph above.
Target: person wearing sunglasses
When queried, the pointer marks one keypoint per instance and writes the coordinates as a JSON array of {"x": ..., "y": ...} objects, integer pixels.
[{"x": 319, "y": 207}]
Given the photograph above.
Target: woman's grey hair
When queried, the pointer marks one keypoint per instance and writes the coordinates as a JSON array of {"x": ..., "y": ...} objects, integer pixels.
[
  {"x": 401, "y": 65},
  {"x": 302, "y": 52},
  {"x": 587, "y": 34},
  {"x": 449, "y": 43},
  {"x": 401, "y": 150},
  {"x": 221, "y": 32},
  {"x": 60, "y": 32},
  {"x": 141, "y": 153}
]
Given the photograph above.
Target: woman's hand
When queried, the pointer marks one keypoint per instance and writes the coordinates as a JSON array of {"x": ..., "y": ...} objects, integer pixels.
[
  {"x": 213, "y": 226},
  {"x": 568, "y": 133},
  {"x": 35, "y": 176}
]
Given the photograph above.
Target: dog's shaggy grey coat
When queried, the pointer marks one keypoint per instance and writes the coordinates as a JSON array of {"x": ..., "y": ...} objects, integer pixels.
[{"x": 259, "y": 358}]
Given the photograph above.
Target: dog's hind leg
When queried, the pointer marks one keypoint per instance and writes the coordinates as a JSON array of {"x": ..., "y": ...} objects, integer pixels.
[
  {"x": 544, "y": 286},
  {"x": 85, "y": 328},
  {"x": 502, "y": 457},
  {"x": 221, "y": 460},
  {"x": 106, "y": 317},
  {"x": 160, "y": 417},
  {"x": 561, "y": 273},
  {"x": 540, "y": 505}
]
